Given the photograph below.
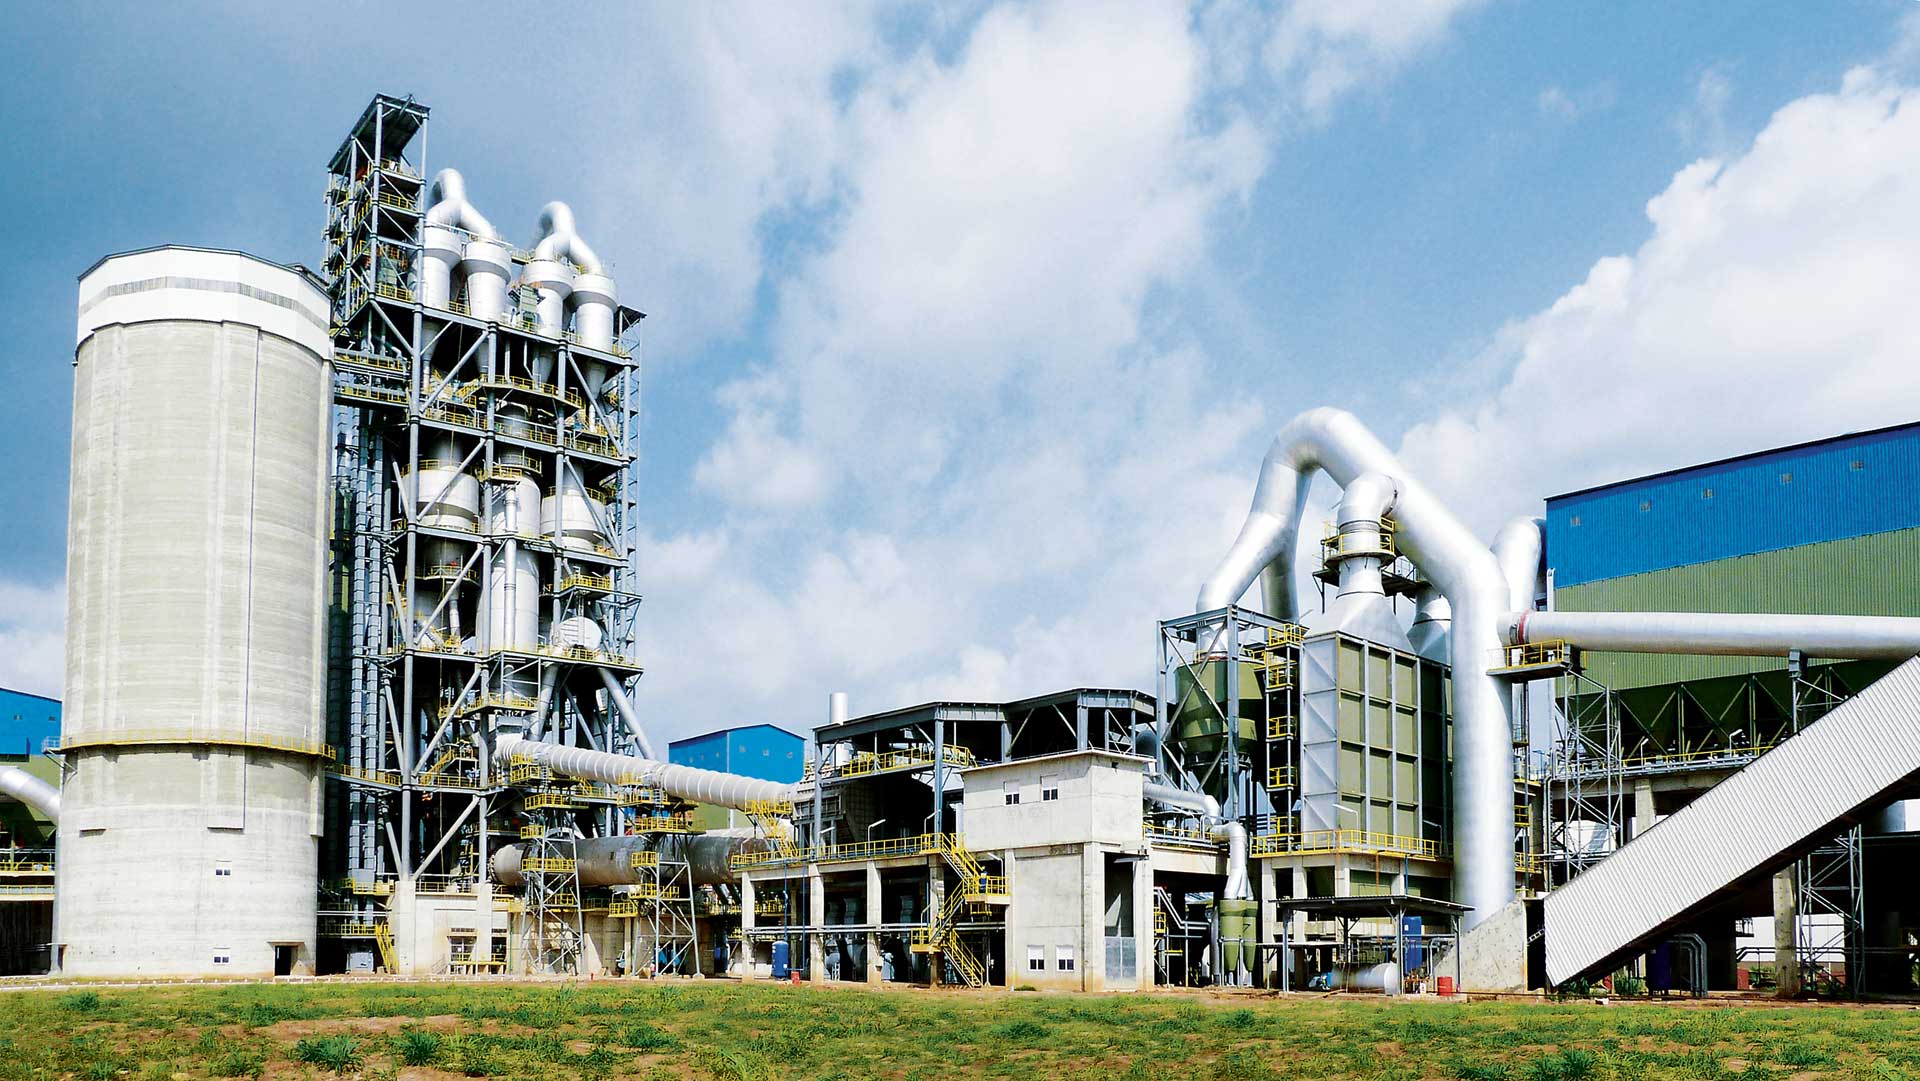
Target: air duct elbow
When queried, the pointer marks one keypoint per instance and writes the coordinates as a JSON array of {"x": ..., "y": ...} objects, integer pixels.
[
  {"x": 1518, "y": 548},
  {"x": 31, "y": 790},
  {"x": 1182, "y": 800}
]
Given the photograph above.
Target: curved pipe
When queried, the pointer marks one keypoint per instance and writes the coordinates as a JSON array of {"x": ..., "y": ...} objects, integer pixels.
[
  {"x": 1432, "y": 619},
  {"x": 607, "y": 861},
  {"x": 448, "y": 205},
  {"x": 1720, "y": 634},
  {"x": 1232, "y": 834},
  {"x": 1518, "y": 548},
  {"x": 559, "y": 240},
  {"x": 624, "y": 706},
  {"x": 31, "y": 791},
  {"x": 680, "y": 782},
  {"x": 1363, "y": 505},
  {"x": 1459, "y": 565}
]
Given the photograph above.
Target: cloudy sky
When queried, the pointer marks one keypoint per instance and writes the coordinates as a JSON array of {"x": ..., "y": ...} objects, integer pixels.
[{"x": 970, "y": 323}]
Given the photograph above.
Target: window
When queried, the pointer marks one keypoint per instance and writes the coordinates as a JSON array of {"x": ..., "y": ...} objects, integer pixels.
[
  {"x": 1063, "y": 958},
  {"x": 1856, "y": 465},
  {"x": 1706, "y": 493},
  {"x": 1786, "y": 478},
  {"x": 1049, "y": 789},
  {"x": 1012, "y": 793},
  {"x": 1574, "y": 521},
  {"x": 222, "y": 955},
  {"x": 223, "y": 870},
  {"x": 1645, "y": 506},
  {"x": 1036, "y": 958}
]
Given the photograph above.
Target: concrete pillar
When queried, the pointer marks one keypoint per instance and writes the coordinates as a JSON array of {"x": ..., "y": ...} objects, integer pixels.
[
  {"x": 1268, "y": 925},
  {"x": 876, "y": 969},
  {"x": 1143, "y": 906},
  {"x": 816, "y": 917},
  {"x": 746, "y": 925},
  {"x": 1786, "y": 952},
  {"x": 1644, "y": 815},
  {"x": 1091, "y": 964}
]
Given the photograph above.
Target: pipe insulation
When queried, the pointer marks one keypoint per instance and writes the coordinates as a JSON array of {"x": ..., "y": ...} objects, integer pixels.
[
  {"x": 680, "y": 782},
  {"x": 1720, "y": 634},
  {"x": 1457, "y": 563},
  {"x": 31, "y": 791},
  {"x": 1518, "y": 548},
  {"x": 624, "y": 706},
  {"x": 1237, "y": 909}
]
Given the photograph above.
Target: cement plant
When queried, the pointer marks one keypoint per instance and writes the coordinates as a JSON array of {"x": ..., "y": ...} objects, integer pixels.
[{"x": 351, "y": 672}]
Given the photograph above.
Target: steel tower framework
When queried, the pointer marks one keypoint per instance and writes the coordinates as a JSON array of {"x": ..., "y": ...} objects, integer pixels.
[{"x": 418, "y": 695}]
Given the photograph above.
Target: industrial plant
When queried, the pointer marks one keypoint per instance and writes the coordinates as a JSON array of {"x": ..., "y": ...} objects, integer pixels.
[{"x": 351, "y": 672}]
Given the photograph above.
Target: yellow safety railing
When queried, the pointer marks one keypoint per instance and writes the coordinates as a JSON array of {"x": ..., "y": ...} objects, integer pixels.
[
  {"x": 867, "y": 763},
  {"x": 369, "y": 360},
  {"x": 769, "y": 808},
  {"x": 925, "y": 844},
  {"x": 679, "y": 822},
  {"x": 1352, "y": 841},
  {"x": 642, "y": 860},
  {"x": 987, "y": 886},
  {"x": 1281, "y": 727},
  {"x": 532, "y": 833},
  {"x": 373, "y": 776},
  {"x": 643, "y": 795},
  {"x": 548, "y": 865},
  {"x": 1178, "y": 835},
  {"x": 1684, "y": 758},
  {"x": 393, "y": 292},
  {"x": 383, "y": 937},
  {"x": 580, "y": 580},
  {"x": 519, "y": 469},
  {"x": 162, "y": 736},
  {"x": 528, "y": 773},
  {"x": 1335, "y": 544},
  {"x": 1279, "y": 777},
  {"x": 398, "y": 202},
  {"x": 1552, "y": 653},
  {"x": 26, "y": 862},
  {"x": 550, "y": 799},
  {"x": 623, "y": 909},
  {"x": 349, "y": 928}
]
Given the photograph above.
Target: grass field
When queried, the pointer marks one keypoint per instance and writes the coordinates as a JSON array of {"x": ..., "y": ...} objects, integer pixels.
[{"x": 721, "y": 1030}]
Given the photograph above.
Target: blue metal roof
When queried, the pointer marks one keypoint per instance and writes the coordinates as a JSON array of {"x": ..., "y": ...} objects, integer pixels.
[
  {"x": 27, "y": 721},
  {"x": 765, "y": 751},
  {"x": 1848, "y": 486}
]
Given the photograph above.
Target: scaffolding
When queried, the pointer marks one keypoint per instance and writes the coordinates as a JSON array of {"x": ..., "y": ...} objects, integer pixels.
[
  {"x": 418, "y": 683},
  {"x": 1255, "y": 775},
  {"x": 1585, "y": 789},
  {"x": 1831, "y": 924}
]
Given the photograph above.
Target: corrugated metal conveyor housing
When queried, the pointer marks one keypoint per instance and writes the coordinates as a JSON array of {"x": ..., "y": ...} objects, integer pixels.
[{"x": 1752, "y": 823}]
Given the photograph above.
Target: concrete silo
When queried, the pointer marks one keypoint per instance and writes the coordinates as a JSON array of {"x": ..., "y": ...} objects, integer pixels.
[{"x": 193, "y": 734}]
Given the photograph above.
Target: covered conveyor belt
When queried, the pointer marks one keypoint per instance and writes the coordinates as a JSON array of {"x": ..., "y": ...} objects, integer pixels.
[{"x": 1752, "y": 824}]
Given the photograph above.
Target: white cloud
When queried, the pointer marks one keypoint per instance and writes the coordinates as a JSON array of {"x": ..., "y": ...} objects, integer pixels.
[
  {"x": 1555, "y": 102},
  {"x": 1772, "y": 302},
  {"x": 1326, "y": 48},
  {"x": 968, "y": 465},
  {"x": 1703, "y": 125},
  {"x": 33, "y": 621}
]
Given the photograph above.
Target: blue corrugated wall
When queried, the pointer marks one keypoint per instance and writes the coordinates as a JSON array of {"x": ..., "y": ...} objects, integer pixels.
[
  {"x": 27, "y": 721},
  {"x": 761, "y": 750},
  {"x": 1851, "y": 486}
]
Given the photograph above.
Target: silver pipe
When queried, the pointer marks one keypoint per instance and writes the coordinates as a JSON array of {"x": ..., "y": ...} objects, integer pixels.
[
  {"x": 449, "y": 214},
  {"x": 1459, "y": 565},
  {"x": 680, "y": 782},
  {"x": 31, "y": 791},
  {"x": 1518, "y": 548},
  {"x": 1182, "y": 800},
  {"x": 1432, "y": 620},
  {"x": 1232, "y": 834},
  {"x": 607, "y": 861},
  {"x": 537, "y": 727},
  {"x": 624, "y": 706},
  {"x": 1721, "y": 634}
]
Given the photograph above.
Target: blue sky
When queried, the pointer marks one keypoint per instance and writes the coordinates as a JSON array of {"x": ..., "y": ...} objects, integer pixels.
[{"x": 969, "y": 323}]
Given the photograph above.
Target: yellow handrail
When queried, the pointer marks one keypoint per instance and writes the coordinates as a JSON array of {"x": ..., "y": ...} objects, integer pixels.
[{"x": 1363, "y": 842}]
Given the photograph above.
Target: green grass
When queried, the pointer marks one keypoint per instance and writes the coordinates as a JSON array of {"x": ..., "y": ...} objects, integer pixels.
[{"x": 716, "y": 1030}]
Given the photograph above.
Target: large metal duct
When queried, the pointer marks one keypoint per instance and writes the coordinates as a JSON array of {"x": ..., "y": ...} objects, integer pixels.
[
  {"x": 1889, "y": 638},
  {"x": 607, "y": 861},
  {"x": 30, "y": 790},
  {"x": 624, "y": 706},
  {"x": 450, "y": 221},
  {"x": 557, "y": 253},
  {"x": 680, "y": 782},
  {"x": 1458, "y": 564},
  {"x": 193, "y": 727}
]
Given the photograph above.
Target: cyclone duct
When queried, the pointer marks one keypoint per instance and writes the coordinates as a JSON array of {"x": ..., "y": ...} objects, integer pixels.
[
  {"x": 1458, "y": 565},
  {"x": 193, "y": 723}
]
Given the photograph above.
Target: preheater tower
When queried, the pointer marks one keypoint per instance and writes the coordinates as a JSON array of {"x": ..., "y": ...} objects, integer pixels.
[{"x": 193, "y": 733}]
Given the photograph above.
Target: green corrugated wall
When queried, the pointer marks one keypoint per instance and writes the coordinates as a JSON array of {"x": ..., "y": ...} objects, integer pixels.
[{"x": 1874, "y": 575}]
